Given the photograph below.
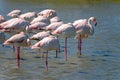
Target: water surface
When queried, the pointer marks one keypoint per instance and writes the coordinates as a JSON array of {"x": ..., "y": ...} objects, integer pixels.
[{"x": 100, "y": 52}]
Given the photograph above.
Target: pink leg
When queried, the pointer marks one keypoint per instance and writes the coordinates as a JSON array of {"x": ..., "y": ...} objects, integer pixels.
[
  {"x": 47, "y": 61},
  {"x": 79, "y": 44},
  {"x": 65, "y": 49},
  {"x": 18, "y": 56}
]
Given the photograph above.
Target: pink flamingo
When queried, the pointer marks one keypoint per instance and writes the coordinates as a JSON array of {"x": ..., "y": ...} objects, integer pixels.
[
  {"x": 14, "y": 13},
  {"x": 55, "y": 19},
  {"x": 40, "y": 19},
  {"x": 39, "y": 36},
  {"x": 83, "y": 29},
  {"x": 54, "y": 26},
  {"x": 48, "y": 43},
  {"x": 37, "y": 27},
  {"x": 29, "y": 16},
  {"x": 2, "y": 19},
  {"x": 18, "y": 40},
  {"x": 49, "y": 13},
  {"x": 15, "y": 25},
  {"x": 65, "y": 31}
]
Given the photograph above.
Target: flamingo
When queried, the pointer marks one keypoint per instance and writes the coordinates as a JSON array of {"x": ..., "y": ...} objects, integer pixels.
[
  {"x": 83, "y": 29},
  {"x": 54, "y": 26},
  {"x": 48, "y": 43},
  {"x": 14, "y": 13},
  {"x": 49, "y": 13},
  {"x": 39, "y": 36},
  {"x": 2, "y": 19},
  {"x": 65, "y": 31},
  {"x": 37, "y": 27},
  {"x": 29, "y": 16},
  {"x": 55, "y": 23},
  {"x": 15, "y": 25},
  {"x": 40, "y": 19},
  {"x": 20, "y": 39},
  {"x": 55, "y": 19}
]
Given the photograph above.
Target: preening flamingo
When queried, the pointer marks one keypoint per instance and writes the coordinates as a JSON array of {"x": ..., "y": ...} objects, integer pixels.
[
  {"x": 83, "y": 29},
  {"x": 18, "y": 40},
  {"x": 47, "y": 44},
  {"x": 65, "y": 31}
]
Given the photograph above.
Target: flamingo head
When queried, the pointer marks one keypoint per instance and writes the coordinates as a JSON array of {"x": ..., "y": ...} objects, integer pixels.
[{"x": 93, "y": 20}]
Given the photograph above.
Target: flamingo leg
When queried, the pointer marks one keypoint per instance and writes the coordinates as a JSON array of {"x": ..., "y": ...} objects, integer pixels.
[
  {"x": 18, "y": 56},
  {"x": 13, "y": 48},
  {"x": 79, "y": 44},
  {"x": 56, "y": 54},
  {"x": 47, "y": 61},
  {"x": 65, "y": 49}
]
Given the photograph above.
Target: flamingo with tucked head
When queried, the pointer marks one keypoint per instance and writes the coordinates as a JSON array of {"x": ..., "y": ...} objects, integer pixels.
[
  {"x": 65, "y": 31},
  {"x": 47, "y": 44},
  {"x": 49, "y": 13},
  {"x": 14, "y": 13},
  {"x": 18, "y": 40}
]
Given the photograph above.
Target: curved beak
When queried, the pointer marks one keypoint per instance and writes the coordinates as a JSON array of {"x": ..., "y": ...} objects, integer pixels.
[{"x": 95, "y": 22}]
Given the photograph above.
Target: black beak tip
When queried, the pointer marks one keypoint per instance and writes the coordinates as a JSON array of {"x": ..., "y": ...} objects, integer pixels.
[{"x": 95, "y": 24}]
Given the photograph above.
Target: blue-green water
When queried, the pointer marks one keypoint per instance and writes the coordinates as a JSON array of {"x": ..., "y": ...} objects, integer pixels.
[{"x": 100, "y": 52}]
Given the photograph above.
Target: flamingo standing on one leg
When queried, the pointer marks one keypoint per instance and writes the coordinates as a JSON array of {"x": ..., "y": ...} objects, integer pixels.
[
  {"x": 13, "y": 26},
  {"x": 65, "y": 31},
  {"x": 83, "y": 29},
  {"x": 18, "y": 40},
  {"x": 47, "y": 44}
]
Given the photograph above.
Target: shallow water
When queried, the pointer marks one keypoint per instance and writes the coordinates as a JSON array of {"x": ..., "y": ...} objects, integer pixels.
[{"x": 100, "y": 52}]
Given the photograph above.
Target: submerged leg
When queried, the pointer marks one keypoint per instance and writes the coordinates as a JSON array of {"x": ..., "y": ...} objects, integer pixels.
[
  {"x": 18, "y": 56},
  {"x": 56, "y": 54},
  {"x": 65, "y": 49},
  {"x": 47, "y": 61},
  {"x": 13, "y": 48},
  {"x": 79, "y": 45}
]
